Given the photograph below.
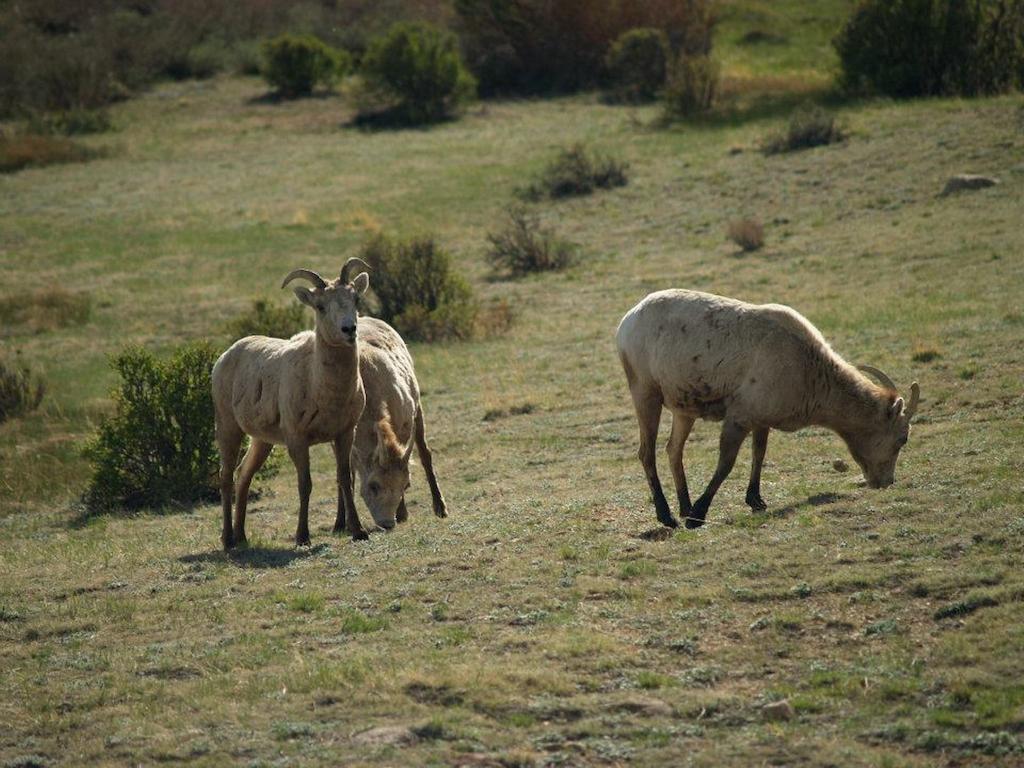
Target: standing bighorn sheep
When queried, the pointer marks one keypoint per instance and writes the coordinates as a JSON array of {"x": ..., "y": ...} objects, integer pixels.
[
  {"x": 294, "y": 392},
  {"x": 756, "y": 368},
  {"x": 391, "y": 424}
]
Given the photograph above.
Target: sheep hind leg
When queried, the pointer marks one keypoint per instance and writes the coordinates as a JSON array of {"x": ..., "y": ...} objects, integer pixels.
[
  {"x": 648, "y": 415},
  {"x": 681, "y": 426},
  {"x": 440, "y": 507},
  {"x": 229, "y": 441},
  {"x": 402, "y": 514},
  {"x": 760, "y": 444},
  {"x": 251, "y": 463},
  {"x": 300, "y": 457},
  {"x": 729, "y": 444}
]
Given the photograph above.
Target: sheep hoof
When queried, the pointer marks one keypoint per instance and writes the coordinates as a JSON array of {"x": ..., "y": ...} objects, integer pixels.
[
  {"x": 694, "y": 522},
  {"x": 667, "y": 520},
  {"x": 441, "y": 511},
  {"x": 756, "y": 503},
  {"x": 302, "y": 540},
  {"x": 360, "y": 535},
  {"x": 228, "y": 541}
]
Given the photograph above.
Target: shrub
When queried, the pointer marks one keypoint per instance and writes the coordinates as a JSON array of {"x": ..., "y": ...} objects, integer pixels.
[
  {"x": 692, "y": 87},
  {"x": 808, "y": 127},
  {"x": 30, "y": 150},
  {"x": 906, "y": 48},
  {"x": 21, "y": 391},
  {"x": 637, "y": 65},
  {"x": 158, "y": 446},
  {"x": 46, "y": 309},
  {"x": 537, "y": 46},
  {"x": 524, "y": 246},
  {"x": 265, "y": 318},
  {"x": 576, "y": 171},
  {"x": 417, "y": 290},
  {"x": 748, "y": 234},
  {"x": 295, "y": 65},
  {"x": 72, "y": 122},
  {"x": 417, "y": 71}
]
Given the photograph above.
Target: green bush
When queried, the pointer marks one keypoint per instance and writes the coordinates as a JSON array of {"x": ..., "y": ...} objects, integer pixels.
[
  {"x": 907, "y": 48},
  {"x": 295, "y": 65},
  {"x": 21, "y": 391},
  {"x": 538, "y": 46},
  {"x": 416, "y": 71},
  {"x": 524, "y": 246},
  {"x": 808, "y": 127},
  {"x": 577, "y": 171},
  {"x": 637, "y": 65},
  {"x": 158, "y": 446},
  {"x": 266, "y": 318},
  {"x": 692, "y": 87},
  {"x": 72, "y": 122},
  {"x": 417, "y": 290}
]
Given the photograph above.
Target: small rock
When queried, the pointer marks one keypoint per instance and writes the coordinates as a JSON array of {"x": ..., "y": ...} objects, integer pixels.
[
  {"x": 840, "y": 466},
  {"x": 386, "y": 735},
  {"x": 967, "y": 181},
  {"x": 778, "y": 711},
  {"x": 759, "y": 624}
]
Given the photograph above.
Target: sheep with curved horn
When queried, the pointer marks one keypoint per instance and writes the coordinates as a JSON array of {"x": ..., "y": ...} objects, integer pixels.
[
  {"x": 294, "y": 392},
  {"x": 754, "y": 368}
]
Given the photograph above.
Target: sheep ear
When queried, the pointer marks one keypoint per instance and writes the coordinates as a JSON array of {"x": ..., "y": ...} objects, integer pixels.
[
  {"x": 896, "y": 409},
  {"x": 304, "y": 295},
  {"x": 361, "y": 283},
  {"x": 381, "y": 452}
]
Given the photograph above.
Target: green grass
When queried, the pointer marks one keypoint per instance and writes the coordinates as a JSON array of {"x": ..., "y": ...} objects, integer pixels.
[{"x": 536, "y": 623}]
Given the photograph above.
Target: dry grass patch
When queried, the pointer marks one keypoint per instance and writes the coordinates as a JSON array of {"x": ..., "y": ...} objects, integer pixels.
[
  {"x": 46, "y": 309},
  {"x": 33, "y": 151},
  {"x": 748, "y": 234}
]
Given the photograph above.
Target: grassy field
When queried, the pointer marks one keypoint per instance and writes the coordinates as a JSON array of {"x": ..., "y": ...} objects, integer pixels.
[{"x": 544, "y": 622}]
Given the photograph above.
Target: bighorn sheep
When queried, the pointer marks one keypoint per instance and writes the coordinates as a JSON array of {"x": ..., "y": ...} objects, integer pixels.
[
  {"x": 391, "y": 424},
  {"x": 756, "y": 368},
  {"x": 296, "y": 392}
]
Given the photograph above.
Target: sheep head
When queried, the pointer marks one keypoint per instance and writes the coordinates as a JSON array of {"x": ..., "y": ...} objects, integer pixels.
[
  {"x": 877, "y": 447},
  {"x": 334, "y": 302},
  {"x": 387, "y": 477}
]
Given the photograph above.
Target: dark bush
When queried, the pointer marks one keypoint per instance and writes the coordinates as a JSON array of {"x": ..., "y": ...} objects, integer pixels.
[
  {"x": 417, "y": 290},
  {"x": 809, "y": 127},
  {"x": 692, "y": 87},
  {"x": 414, "y": 75},
  {"x": 21, "y": 391},
  {"x": 638, "y": 65},
  {"x": 73, "y": 122},
  {"x": 158, "y": 446},
  {"x": 295, "y": 65},
  {"x": 524, "y": 246},
  {"x": 537, "y": 46},
  {"x": 748, "y": 234},
  {"x": 906, "y": 48},
  {"x": 28, "y": 150},
  {"x": 268, "y": 319},
  {"x": 577, "y": 171}
]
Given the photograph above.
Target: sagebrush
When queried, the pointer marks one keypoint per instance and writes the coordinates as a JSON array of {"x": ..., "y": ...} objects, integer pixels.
[
  {"x": 524, "y": 246},
  {"x": 809, "y": 126},
  {"x": 21, "y": 390},
  {"x": 296, "y": 64},
  {"x": 692, "y": 87},
  {"x": 638, "y": 65},
  {"x": 417, "y": 289},
  {"x": 748, "y": 234},
  {"x": 577, "y": 170}
]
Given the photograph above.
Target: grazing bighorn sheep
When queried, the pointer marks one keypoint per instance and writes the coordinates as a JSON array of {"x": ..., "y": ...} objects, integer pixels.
[
  {"x": 755, "y": 367},
  {"x": 294, "y": 392},
  {"x": 391, "y": 424}
]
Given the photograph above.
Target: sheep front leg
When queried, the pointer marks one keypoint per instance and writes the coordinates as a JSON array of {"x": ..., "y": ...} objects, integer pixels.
[
  {"x": 729, "y": 444},
  {"x": 229, "y": 441},
  {"x": 648, "y": 415},
  {"x": 347, "y": 518},
  {"x": 300, "y": 457}
]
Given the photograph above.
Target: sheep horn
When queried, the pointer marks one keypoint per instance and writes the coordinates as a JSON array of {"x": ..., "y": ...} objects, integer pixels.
[
  {"x": 306, "y": 274},
  {"x": 915, "y": 396},
  {"x": 885, "y": 380},
  {"x": 349, "y": 264}
]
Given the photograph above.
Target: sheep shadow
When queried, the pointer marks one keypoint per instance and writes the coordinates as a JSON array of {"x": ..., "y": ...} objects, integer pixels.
[
  {"x": 256, "y": 557},
  {"x": 815, "y": 500}
]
